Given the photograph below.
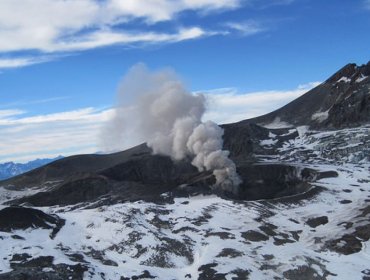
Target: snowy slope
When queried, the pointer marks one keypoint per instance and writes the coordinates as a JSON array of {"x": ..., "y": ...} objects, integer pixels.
[{"x": 321, "y": 235}]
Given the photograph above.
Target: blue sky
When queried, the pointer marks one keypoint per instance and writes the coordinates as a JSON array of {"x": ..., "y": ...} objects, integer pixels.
[{"x": 61, "y": 61}]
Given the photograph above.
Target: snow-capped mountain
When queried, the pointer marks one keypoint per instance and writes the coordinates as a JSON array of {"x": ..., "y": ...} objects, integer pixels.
[
  {"x": 302, "y": 211},
  {"x": 11, "y": 169}
]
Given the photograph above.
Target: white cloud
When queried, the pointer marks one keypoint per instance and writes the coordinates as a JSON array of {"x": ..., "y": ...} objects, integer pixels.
[
  {"x": 103, "y": 38},
  {"x": 161, "y": 10},
  {"x": 77, "y": 115},
  {"x": 62, "y": 26},
  {"x": 24, "y": 138},
  {"x": 10, "y": 113},
  {"x": 56, "y": 25},
  {"x": 228, "y": 105}
]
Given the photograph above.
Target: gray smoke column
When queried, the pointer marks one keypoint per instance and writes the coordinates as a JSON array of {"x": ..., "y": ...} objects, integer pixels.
[{"x": 156, "y": 107}]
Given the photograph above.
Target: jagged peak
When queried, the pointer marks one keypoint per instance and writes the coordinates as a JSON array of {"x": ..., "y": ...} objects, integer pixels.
[
  {"x": 349, "y": 73},
  {"x": 346, "y": 71},
  {"x": 365, "y": 69}
]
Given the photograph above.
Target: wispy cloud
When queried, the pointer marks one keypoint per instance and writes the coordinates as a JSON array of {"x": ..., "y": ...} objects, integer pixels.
[
  {"x": 54, "y": 25},
  {"x": 246, "y": 28},
  {"x": 230, "y": 105},
  {"x": 10, "y": 113},
  {"x": 25, "y": 137},
  {"x": 20, "y": 103},
  {"x": 23, "y": 61},
  {"x": 51, "y": 27},
  {"x": 77, "y": 115},
  {"x": 109, "y": 37}
]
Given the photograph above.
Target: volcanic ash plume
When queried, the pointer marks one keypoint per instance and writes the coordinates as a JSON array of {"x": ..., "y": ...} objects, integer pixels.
[{"x": 156, "y": 108}]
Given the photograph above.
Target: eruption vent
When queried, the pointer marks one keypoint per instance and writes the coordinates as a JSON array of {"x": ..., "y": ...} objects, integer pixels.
[{"x": 155, "y": 107}]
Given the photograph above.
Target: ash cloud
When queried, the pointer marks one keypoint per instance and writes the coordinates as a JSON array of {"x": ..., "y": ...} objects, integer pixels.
[{"x": 155, "y": 107}]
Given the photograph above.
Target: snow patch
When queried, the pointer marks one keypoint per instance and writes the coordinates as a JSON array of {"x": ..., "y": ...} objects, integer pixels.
[
  {"x": 272, "y": 135},
  {"x": 360, "y": 79},
  {"x": 344, "y": 79},
  {"x": 268, "y": 142},
  {"x": 302, "y": 130},
  {"x": 277, "y": 123},
  {"x": 320, "y": 116}
]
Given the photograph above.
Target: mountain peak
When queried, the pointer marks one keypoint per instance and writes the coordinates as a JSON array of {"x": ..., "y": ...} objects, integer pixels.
[
  {"x": 365, "y": 69},
  {"x": 350, "y": 73},
  {"x": 341, "y": 101}
]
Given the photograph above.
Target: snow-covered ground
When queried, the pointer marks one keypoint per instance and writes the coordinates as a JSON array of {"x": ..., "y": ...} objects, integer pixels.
[{"x": 324, "y": 236}]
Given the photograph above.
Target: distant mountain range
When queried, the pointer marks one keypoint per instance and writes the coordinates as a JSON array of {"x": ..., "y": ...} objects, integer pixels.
[{"x": 11, "y": 169}]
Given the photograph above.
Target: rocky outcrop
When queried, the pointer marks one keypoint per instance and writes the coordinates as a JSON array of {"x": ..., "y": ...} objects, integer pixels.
[
  {"x": 243, "y": 140},
  {"x": 271, "y": 181},
  {"x": 16, "y": 217},
  {"x": 42, "y": 268}
]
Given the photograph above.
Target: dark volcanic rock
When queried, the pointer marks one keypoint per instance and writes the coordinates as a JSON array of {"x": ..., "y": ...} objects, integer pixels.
[
  {"x": 242, "y": 140},
  {"x": 72, "y": 191},
  {"x": 353, "y": 110},
  {"x": 229, "y": 253},
  {"x": 146, "y": 177},
  {"x": 207, "y": 272},
  {"x": 303, "y": 273},
  {"x": 315, "y": 222},
  {"x": 269, "y": 181},
  {"x": 144, "y": 275},
  {"x": 12, "y": 218},
  {"x": 151, "y": 169},
  {"x": 348, "y": 244},
  {"x": 43, "y": 268},
  {"x": 240, "y": 274},
  {"x": 138, "y": 177},
  {"x": 352, "y": 242},
  {"x": 345, "y": 201},
  {"x": 20, "y": 257},
  {"x": 172, "y": 246},
  {"x": 254, "y": 236}
]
